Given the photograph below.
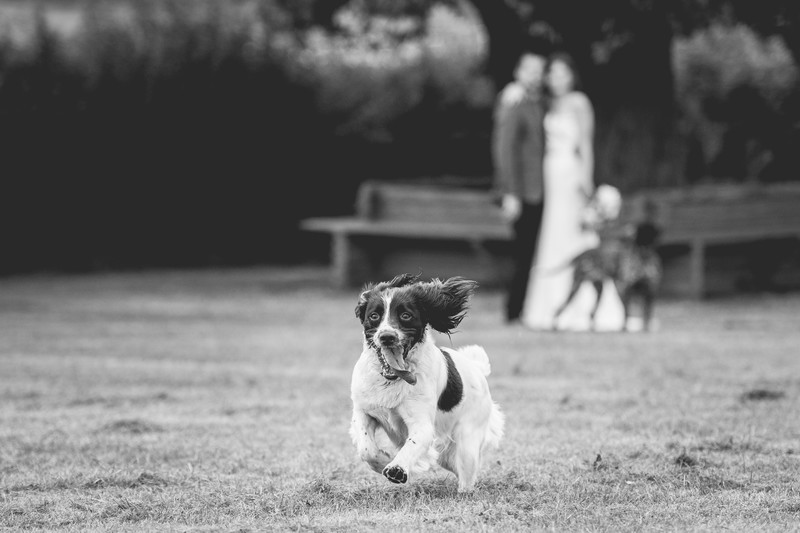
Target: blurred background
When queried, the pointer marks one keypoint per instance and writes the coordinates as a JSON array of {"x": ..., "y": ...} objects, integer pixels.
[{"x": 195, "y": 133}]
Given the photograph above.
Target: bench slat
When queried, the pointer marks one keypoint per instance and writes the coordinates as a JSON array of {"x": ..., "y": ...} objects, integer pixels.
[
  {"x": 410, "y": 229},
  {"x": 432, "y": 204}
]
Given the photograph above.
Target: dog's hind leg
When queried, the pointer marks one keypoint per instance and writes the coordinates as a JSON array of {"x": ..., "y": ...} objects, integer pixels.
[
  {"x": 576, "y": 284},
  {"x": 647, "y": 308},
  {"x": 468, "y": 459},
  {"x": 625, "y": 296},
  {"x": 447, "y": 458},
  {"x": 598, "y": 288}
]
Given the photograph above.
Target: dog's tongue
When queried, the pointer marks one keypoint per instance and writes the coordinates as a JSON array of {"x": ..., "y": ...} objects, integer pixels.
[
  {"x": 406, "y": 376},
  {"x": 394, "y": 357}
]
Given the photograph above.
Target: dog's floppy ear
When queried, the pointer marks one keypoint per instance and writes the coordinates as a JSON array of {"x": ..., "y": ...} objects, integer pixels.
[
  {"x": 400, "y": 280},
  {"x": 361, "y": 306},
  {"x": 445, "y": 302}
]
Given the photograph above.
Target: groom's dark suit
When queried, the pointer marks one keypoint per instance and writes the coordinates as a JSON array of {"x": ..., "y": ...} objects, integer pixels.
[{"x": 518, "y": 153}]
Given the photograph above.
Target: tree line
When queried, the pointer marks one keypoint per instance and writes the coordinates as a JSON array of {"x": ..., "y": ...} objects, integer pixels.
[{"x": 198, "y": 132}]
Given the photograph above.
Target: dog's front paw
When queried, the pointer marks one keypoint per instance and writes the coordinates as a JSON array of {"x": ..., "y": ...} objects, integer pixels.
[{"x": 395, "y": 474}]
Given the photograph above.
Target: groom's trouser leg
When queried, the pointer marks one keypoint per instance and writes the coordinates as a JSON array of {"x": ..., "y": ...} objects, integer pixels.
[{"x": 526, "y": 235}]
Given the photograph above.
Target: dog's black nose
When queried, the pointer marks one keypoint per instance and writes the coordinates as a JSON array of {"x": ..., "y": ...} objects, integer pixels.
[{"x": 387, "y": 338}]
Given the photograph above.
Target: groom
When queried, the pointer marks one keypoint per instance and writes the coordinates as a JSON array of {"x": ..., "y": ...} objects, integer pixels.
[{"x": 517, "y": 154}]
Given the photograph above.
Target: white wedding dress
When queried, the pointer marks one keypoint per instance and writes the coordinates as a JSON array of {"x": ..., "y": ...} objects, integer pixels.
[{"x": 561, "y": 238}]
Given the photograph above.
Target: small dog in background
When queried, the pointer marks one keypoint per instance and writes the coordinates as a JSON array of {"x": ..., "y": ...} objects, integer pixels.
[
  {"x": 414, "y": 403},
  {"x": 631, "y": 261}
]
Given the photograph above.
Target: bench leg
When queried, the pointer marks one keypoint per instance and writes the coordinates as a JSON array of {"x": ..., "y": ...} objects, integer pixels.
[
  {"x": 351, "y": 266},
  {"x": 697, "y": 269},
  {"x": 340, "y": 259}
]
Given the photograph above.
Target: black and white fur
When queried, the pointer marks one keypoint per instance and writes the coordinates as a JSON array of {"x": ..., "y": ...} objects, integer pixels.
[{"x": 414, "y": 403}]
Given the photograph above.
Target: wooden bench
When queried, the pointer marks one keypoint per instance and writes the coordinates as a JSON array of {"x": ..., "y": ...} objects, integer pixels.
[
  {"x": 709, "y": 215},
  {"x": 441, "y": 230},
  {"x": 411, "y": 226}
]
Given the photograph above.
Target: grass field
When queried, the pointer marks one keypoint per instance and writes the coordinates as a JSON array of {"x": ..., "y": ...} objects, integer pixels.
[{"x": 210, "y": 401}]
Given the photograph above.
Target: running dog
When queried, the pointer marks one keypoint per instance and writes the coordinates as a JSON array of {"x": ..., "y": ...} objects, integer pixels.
[{"x": 415, "y": 403}]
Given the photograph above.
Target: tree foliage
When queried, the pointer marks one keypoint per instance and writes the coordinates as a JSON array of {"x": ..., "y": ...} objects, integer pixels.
[
  {"x": 654, "y": 126},
  {"x": 196, "y": 106}
]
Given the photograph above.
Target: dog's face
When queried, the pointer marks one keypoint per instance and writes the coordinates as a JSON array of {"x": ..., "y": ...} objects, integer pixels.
[{"x": 396, "y": 314}]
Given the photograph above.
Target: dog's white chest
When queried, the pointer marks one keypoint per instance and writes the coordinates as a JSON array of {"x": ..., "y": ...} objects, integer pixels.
[
  {"x": 375, "y": 396},
  {"x": 372, "y": 391}
]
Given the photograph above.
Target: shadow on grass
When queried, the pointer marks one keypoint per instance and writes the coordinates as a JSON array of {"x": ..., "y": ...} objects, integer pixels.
[
  {"x": 756, "y": 395},
  {"x": 133, "y": 426}
]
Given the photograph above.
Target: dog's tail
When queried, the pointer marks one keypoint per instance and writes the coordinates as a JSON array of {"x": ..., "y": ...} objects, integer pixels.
[{"x": 477, "y": 355}]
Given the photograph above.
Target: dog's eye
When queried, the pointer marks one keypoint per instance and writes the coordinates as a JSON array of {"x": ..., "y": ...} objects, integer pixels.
[
  {"x": 374, "y": 317},
  {"x": 405, "y": 316}
]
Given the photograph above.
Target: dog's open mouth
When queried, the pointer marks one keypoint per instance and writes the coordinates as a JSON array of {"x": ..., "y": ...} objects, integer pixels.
[
  {"x": 386, "y": 370},
  {"x": 391, "y": 373}
]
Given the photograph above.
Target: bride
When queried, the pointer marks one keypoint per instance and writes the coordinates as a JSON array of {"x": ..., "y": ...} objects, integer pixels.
[{"x": 568, "y": 185}]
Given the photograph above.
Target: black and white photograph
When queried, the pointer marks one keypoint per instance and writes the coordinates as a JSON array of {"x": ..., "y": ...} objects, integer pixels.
[{"x": 399, "y": 265}]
